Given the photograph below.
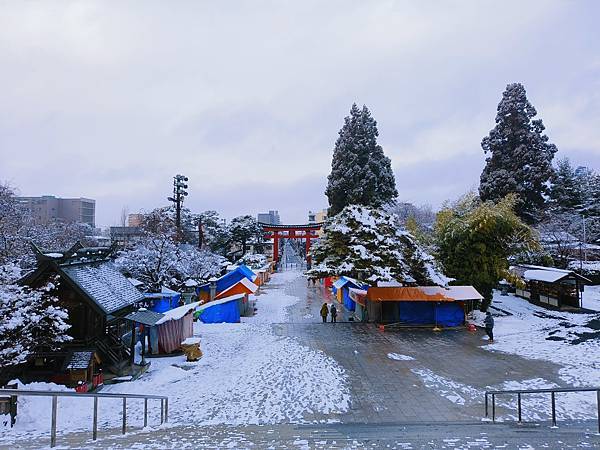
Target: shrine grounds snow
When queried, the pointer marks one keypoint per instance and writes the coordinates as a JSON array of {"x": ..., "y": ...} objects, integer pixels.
[
  {"x": 275, "y": 373},
  {"x": 247, "y": 375}
]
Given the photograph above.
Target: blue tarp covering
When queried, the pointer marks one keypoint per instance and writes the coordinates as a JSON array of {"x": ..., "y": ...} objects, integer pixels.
[
  {"x": 427, "y": 313},
  {"x": 450, "y": 314},
  {"x": 228, "y": 312},
  {"x": 229, "y": 279},
  {"x": 348, "y": 302},
  {"x": 161, "y": 302},
  {"x": 345, "y": 283},
  {"x": 417, "y": 312}
]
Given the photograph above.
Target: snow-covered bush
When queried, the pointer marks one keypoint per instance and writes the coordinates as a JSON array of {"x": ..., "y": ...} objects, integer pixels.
[
  {"x": 30, "y": 319},
  {"x": 365, "y": 243}
]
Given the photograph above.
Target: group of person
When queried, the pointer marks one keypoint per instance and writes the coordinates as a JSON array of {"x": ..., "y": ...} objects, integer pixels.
[{"x": 326, "y": 310}]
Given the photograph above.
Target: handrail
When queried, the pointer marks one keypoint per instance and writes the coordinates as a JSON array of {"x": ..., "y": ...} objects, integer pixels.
[
  {"x": 551, "y": 391},
  {"x": 164, "y": 406}
]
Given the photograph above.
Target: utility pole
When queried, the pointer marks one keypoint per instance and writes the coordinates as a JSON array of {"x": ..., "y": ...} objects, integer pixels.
[{"x": 179, "y": 193}]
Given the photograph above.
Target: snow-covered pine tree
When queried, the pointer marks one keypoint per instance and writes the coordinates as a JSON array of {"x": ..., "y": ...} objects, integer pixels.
[
  {"x": 566, "y": 189},
  {"x": 360, "y": 173},
  {"x": 520, "y": 156},
  {"x": 365, "y": 243}
]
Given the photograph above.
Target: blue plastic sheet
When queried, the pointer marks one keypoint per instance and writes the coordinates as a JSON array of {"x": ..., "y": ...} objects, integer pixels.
[
  {"x": 418, "y": 313},
  {"x": 348, "y": 302},
  {"x": 164, "y": 303},
  {"x": 449, "y": 314},
  {"x": 228, "y": 312}
]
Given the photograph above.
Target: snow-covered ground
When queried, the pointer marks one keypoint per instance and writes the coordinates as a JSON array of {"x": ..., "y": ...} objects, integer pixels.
[
  {"x": 248, "y": 375},
  {"x": 591, "y": 298},
  {"x": 569, "y": 340}
]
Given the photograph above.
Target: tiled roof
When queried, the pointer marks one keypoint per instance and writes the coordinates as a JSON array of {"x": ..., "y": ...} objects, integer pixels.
[
  {"x": 104, "y": 284},
  {"x": 79, "y": 360},
  {"x": 145, "y": 317}
]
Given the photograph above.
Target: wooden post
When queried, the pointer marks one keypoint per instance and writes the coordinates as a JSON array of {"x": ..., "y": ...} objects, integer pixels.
[{"x": 519, "y": 405}]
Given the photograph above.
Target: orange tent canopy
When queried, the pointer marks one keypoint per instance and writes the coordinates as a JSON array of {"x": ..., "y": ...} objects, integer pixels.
[{"x": 423, "y": 294}]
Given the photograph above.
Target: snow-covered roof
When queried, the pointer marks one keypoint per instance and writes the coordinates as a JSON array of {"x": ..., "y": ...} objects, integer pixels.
[
  {"x": 177, "y": 313},
  {"x": 79, "y": 360},
  {"x": 549, "y": 276},
  {"x": 544, "y": 274},
  {"x": 220, "y": 301},
  {"x": 135, "y": 282},
  {"x": 166, "y": 290},
  {"x": 190, "y": 283},
  {"x": 104, "y": 284}
]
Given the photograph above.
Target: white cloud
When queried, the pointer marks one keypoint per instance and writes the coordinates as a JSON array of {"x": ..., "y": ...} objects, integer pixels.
[{"x": 110, "y": 101}]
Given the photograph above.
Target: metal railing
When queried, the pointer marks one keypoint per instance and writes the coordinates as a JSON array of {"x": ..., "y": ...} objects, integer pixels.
[
  {"x": 164, "y": 406},
  {"x": 551, "y": 391}
]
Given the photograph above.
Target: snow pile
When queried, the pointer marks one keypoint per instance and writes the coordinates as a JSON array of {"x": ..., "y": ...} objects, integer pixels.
[
  {"x": 399, "y": 357},
  {"x": 566, "y": 339}
]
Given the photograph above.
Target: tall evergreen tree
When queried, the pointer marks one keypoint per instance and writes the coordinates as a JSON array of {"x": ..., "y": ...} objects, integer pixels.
[
  {"x": 360, "y": 173},
  {"x": 566, "y": 190},
  {"x": 520, "y": 156}
]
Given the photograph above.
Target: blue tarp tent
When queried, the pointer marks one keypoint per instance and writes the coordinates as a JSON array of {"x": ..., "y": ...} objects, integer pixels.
[
  {"x": 345, "y": 283},
  {"x": 162, "y": 301},
  {"x": 219, "y": 311},
  {"x": 229, "y": 279},
  {"x": 448, "y": 314}
]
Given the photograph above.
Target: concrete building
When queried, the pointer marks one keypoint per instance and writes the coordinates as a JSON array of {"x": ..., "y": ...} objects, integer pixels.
[
  {"x": 135, "y": 220},
  {"x": 272, "y": 218},
  {"x": 317, "y": 217},
  {"x": 48, "y": 207}
]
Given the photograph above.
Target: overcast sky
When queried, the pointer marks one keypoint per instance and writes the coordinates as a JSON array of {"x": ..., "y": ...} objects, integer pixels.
[{"x": 109, "y": 100}]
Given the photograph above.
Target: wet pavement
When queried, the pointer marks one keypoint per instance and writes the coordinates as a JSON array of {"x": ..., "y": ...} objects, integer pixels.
[{"x": 443, "y": 379}]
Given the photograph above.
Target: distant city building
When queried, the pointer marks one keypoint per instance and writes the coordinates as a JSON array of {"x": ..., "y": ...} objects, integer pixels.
[
  {"x": 272, "y": 218},
  {"x": 317, "y": 217},
  {"x": 135, "y": 220},
  {"x": 48, "y": 207}
]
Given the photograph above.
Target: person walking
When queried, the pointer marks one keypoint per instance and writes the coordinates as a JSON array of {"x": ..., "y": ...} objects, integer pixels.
[
  {"x": 489, "y": 326},
  {"x": 333, "y": 313},
  {"x": 324, "y": 312}
]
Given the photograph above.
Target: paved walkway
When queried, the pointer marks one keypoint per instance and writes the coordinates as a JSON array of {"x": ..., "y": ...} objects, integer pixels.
[
  {"x": 341, "y": 436},
  {"x": 444, "y": 379}
]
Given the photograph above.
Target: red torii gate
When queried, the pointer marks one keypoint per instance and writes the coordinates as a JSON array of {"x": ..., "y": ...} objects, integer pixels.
[{"x": 276, "y": 232}]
